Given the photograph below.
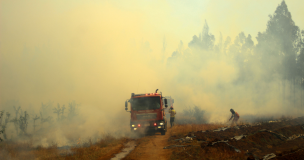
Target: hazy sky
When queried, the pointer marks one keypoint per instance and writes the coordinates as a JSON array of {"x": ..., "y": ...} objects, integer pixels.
[{"x": 99, "y": 52}]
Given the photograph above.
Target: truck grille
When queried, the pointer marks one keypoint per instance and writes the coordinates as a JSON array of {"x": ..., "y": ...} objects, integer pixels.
[{"x": 146, "y": 116}]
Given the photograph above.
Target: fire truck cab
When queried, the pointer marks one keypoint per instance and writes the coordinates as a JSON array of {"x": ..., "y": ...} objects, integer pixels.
[{"x": 147, "y": 112}]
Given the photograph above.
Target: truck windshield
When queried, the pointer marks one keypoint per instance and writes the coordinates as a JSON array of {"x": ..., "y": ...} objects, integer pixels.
[{"x": 145, "y": 103}]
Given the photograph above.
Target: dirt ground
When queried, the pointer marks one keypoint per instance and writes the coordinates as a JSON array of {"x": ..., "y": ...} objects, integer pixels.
[
  {"x": 151, "y": 147},
  {"x": 278, "y": 140}
]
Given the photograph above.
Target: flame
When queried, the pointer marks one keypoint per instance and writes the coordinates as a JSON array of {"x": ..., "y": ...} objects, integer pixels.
[{"x": 78, "y": 141}]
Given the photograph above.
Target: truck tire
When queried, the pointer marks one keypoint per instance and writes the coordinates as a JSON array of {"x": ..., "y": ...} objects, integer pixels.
[{"x": 163, "y": 132}]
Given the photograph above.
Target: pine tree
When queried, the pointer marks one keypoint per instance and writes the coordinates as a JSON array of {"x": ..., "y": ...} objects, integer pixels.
[{"x": 276, "y": 46}]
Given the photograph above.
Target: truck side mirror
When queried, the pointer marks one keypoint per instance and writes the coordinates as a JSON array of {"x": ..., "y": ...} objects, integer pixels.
[
  {"x": 126, "y": 105},
  {"x": 166, "y": 103}
]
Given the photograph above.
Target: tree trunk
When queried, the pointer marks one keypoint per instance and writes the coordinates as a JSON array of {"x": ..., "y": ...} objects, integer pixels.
[
  {"x": 283, "y": 83},
  {"x": 294, "y": 91},
  {"x": 301, "y": 94}
]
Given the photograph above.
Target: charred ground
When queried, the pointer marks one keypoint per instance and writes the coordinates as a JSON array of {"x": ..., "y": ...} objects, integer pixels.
[{"x": 282, "y": 138}]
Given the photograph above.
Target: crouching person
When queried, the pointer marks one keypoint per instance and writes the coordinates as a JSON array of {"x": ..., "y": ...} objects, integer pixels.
[{"x": 235, "y": 117}]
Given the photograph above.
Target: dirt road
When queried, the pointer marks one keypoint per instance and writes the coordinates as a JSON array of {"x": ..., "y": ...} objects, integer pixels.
[{"x": 151, "y": 147}]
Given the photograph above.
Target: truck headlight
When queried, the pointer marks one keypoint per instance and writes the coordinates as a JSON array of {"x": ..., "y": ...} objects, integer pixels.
[
  {"x": 133, "y": 125},
  {"x": 159, "y": 126},
  {"x": 161, "y": 123},
  {"x": 135, "y": 129}
]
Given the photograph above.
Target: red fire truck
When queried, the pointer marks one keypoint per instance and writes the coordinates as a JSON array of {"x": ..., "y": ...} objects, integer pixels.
[{"x": 148, "y": 112}]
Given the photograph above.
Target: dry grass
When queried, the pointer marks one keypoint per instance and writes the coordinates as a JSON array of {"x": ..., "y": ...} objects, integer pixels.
[
  {"x": 190, "y": 153},
  {"x": 103, "y": 149}
]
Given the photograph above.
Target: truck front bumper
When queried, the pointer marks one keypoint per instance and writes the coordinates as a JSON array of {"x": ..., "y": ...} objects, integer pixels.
[{"x": 148, "y": 125}]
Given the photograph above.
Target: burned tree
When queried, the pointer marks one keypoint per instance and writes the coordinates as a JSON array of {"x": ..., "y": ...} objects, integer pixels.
[
  {"x": 1, "y": 114},
  {"x": 15, "y": 120},
  {"x": 62, "y": 111},
  {"x": 72, "y": 109},
  {"x": 44, "y": 110},
  {"x": 59, "y": 111},
  {"x": 17, "y": 111},
  {"x": 23, "y": 121},
  {"x": 2, "y": 130},
  {"x": 46, "y": 107},
  {"x": 35, "y": 118},
  {"x": 3, "y": 126},
  {"x": 43, "y": 120}
]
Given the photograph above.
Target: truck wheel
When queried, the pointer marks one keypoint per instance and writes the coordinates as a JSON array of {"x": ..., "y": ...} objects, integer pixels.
[{"x": 163, "y": 132}]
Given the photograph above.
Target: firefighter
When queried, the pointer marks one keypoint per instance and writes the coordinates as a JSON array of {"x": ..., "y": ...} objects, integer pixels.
[
  {"x": 172, "y": 115},
  {"x": 235, "y": 117}
]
